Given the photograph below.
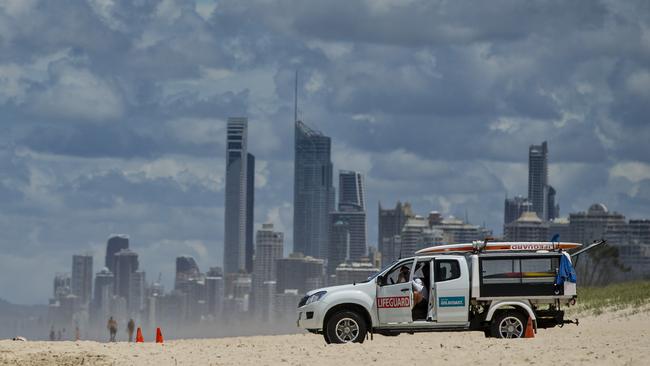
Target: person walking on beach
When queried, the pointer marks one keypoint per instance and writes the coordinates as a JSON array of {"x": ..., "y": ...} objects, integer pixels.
[
  {"x": 130, "y": 327},
  {"x": 52, "y": 334},
  {"x": 112, "y": 328}
]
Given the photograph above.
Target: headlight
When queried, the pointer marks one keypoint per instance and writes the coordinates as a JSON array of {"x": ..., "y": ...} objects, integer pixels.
[{"x": 315, "y": 297}]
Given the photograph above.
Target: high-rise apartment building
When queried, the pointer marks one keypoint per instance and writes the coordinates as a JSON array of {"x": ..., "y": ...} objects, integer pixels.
[
  {"x": 186, "y": 270},
  {"x": 514, "y": 207},
  {"x": 597, "y": 223},
  {"x": 300, "y": 273},
  {"x": 391, "y": 222},
  {"x": 538, "y": 179},
  {"x": 82, "y": 278},
  {"x": 240, "y": 175},
  {"x": 116, "y": 242},
  {"x": 137, "y": 294},
  {"x": 348, "y": 231},
  {"x": 126, "y": 263},
  {"x": 270, "y": 247},
  {"x": 552, "y": 208},
  {"x": 313, "y": 191},
  {"x": 347, "y": 236},
  {"x": 417, "y": 234},
  {"x": 352, "y": 189}
]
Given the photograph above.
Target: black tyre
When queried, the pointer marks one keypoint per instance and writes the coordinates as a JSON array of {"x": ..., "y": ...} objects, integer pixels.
[
  {"x": 344, "y": 327},
  {"x": 327, "y": 339},
  {"x": 508, "y": 324}
]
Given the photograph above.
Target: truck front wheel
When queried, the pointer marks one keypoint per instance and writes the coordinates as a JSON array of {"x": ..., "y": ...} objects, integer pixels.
[
  {"x": 346, "y": 326},
  {"x": 508, "y": 324}
]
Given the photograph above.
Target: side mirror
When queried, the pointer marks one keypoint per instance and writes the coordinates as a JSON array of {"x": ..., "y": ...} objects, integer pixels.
[{"x": 380, "y": 280}]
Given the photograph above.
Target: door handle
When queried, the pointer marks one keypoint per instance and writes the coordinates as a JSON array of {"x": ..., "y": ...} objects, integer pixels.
[{"x": 405, "y": 289}]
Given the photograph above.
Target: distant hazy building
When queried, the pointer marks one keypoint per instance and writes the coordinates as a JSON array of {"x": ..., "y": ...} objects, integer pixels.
[
  {"x": 214, "y": 293},
  {"x": 299, "y": 272},
  {"x": 561, "y": 227},
  {"x": 136, "y": 298},
  {"x": 514, "y": 207},
  {"x": 186, "y": 270},
  {"x": 270, "y": 247},
  {"x": 597, "y": 223},
  {"x": 417, "y": 234},
  {"x": 552, "y": 208},
  {"x": 352, "y": 189},
  {"x": 116, "y": 242},
  {"x": 126, "y": 263},
  {"x": 239, "y": 198},
  {"x": 639, "y": 231},
  {"x": 528, "y": 227},
  {"x": 347, "y": 236},
  {"x": 313, "y": 191},
  {"x": 62, "y": 285},
  {"x": 538, "y": 179},
  {"x": 103, "y": 291},
  {"x": 456, "y": 231},
  {"x": 354, "y": 272},
  {"x": 284, "y": 304},
  {"x": 82, "y": 277},
  {"x": 391, "y": 222}
]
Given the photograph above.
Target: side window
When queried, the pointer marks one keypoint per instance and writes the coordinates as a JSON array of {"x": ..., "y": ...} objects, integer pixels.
[
  {"x": 500, "y": 271},
  {"x": 539, "y": 270},
  {"x": 447, "y": 269},
  {"x": 399, "y": 274}
]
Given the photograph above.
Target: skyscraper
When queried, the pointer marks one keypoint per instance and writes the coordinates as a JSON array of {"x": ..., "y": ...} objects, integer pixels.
[
  {"x": 313, "y": 192},
  {"x": 270, "y": 247},
  {"x": 391, "y": 222},
  {"x": 115, "y": 243},
  {"x": 126, "y": 262},
  {"x": 348, "y": 231},
  {"x": 514, "y": 207},
  {"x": 239, "y": 198},
  {"x": 186, "y": 269},
  {"x": 552, "y": 208},
  {"x": 352, "y": 189},
  {"x": 82, "y": 277},
  {"x": 538, "y": 179}
]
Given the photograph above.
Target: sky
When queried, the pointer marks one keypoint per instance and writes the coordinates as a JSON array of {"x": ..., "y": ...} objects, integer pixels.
[{"x": 112, "y": 115}]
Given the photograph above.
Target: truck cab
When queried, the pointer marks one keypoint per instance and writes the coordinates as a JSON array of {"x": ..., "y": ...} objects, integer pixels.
[{"x": 496, "y": 293}]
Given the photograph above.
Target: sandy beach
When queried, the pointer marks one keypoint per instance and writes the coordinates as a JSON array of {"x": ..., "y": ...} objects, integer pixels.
[{"x": 616, "y": 338}]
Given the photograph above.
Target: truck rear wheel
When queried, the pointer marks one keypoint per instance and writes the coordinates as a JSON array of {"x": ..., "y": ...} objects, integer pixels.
[
  {"x": 346, "y": 326},
  {"x": 508, "y": 324}
]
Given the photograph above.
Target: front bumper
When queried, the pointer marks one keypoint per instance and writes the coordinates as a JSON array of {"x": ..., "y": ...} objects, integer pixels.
[{"x": 311, "y": 316}]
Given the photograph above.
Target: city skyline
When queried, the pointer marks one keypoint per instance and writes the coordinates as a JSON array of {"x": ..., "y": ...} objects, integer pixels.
[{"x": 116, "y": 123}]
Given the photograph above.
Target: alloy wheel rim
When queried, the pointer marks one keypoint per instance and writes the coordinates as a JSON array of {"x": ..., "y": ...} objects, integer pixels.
[
  {"x": 347, "y": 330},
  {"x": 511, "y": 327}
]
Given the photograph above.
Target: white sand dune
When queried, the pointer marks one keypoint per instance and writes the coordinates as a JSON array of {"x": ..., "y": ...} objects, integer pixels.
[{"x": 619, "y": 338}]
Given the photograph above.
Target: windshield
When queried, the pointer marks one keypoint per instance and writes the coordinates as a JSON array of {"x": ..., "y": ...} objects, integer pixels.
[{"x": 378, "y": 273}]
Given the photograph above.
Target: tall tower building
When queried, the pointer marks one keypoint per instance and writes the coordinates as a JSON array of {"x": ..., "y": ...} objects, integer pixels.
[
  {"x": 126, "y": 262},
  {"x": 270, "y": 247},
  {"x": 348, "y": 230},
  {"x": 115, "y": 243},
  {"x": 82, "y": 277},
  {"x": 352, "y": 189},
  {"x": 514, "y": 207},
  {"x": 391, "y": 222},
  {"x": 239, "y": 198},
  {"x": 313, "y": 192},
  {"x": 552, "y": 208},
  {"x": 538, "y": 179}
]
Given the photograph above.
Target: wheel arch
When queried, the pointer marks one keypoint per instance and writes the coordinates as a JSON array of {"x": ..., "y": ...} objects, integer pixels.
[
  {"x": 358, "y": 308},
  {"x": 519, "y": 305}
]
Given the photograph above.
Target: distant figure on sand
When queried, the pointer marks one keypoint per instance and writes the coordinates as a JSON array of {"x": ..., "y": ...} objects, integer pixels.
[
  {"x": 52, "y": 334},
  {"x": 112, "y": 328},
  {"x": 130, "y": 327}
]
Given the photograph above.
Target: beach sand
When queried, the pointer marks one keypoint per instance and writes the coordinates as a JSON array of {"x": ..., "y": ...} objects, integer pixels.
[{"x": 614, "y": 338}]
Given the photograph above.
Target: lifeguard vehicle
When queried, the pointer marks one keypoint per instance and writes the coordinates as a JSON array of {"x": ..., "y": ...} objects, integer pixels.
[{"x": 494, "y": 287}]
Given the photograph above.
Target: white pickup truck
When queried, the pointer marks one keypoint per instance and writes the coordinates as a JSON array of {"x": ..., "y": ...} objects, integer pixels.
[{"x": 494, "y": 291}]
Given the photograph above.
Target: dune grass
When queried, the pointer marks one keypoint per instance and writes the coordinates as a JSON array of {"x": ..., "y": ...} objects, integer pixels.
[{"x": 596, "y": 300}]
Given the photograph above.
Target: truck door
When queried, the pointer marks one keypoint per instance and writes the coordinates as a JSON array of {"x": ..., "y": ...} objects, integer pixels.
[
  {"x": 451, "y": 290},
  {"x": 394, "y": 295}
]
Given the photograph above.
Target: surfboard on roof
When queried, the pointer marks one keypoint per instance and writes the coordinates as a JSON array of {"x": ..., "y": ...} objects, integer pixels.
[{"x": 480, "y": 246}]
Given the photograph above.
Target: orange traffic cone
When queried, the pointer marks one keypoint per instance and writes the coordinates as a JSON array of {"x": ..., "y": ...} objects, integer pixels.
[
  {"x": 159, "y": 337},
  {"x": 530, "y": 332},
  {"x": 138, "y": 336}
]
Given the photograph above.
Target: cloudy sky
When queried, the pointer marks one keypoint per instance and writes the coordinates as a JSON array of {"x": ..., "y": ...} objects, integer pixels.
[{"x": 112, "y": 114}]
